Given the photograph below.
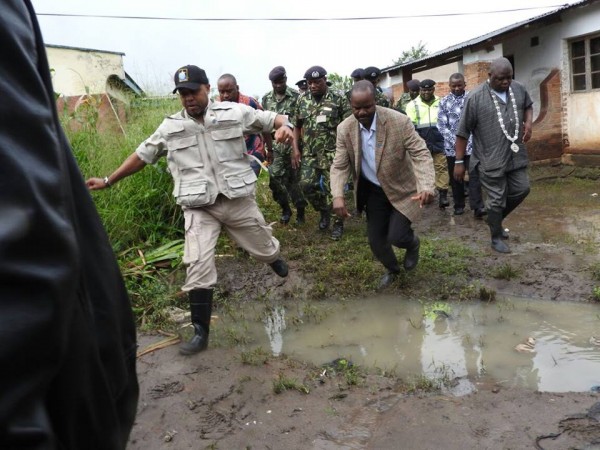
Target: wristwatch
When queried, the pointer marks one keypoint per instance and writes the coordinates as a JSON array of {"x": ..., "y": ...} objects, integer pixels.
[
  {"x": 106, "y": 182},
  {"x": 289, "y": 125}
]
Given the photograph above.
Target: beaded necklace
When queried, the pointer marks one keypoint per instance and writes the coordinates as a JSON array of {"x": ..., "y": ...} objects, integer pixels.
[{"x": 513, "y": 146}]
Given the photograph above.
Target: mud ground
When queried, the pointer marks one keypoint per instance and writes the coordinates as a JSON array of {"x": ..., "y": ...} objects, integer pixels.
[{"x": 215, "y": 401}]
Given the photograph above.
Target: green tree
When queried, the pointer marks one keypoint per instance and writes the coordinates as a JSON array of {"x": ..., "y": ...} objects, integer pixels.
[
  {"x": 415, "y": 52},
  {"x": 339, "y": 83}
]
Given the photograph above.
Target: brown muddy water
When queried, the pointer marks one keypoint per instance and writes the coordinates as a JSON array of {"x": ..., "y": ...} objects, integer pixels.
[{"x": 540, "y": 345}]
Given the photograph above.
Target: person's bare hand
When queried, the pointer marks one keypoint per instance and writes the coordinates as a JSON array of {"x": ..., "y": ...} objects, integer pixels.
[
  {"x": 339, "y": 208},
  {"x": 424, "y": 198}
]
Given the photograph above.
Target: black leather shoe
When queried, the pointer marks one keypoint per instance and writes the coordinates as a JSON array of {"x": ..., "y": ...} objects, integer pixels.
[
  {"x": 479, "y": 213},
  {"x": 280, "y": 267},
  {"x": 325, "y": 220},
  {"x": 338, "y": 230},
  {"x": 300, "y": 216},
  {"x": 286, "y": 215},
  {"x": 500, "y": 246},
  {"x": 459, "y": 211},
  {"x": 387, "y": 280},
  {"x": 411, "y": 257},
  {"x": 197, "y": 343}
]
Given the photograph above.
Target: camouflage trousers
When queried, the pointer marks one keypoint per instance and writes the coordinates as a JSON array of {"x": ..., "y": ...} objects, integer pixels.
[
  {"x": 314, "y": 180},
  {"x": 284, "y": 180}
]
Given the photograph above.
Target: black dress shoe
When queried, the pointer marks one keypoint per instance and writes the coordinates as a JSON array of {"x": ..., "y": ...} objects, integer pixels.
[
  {"x": 479, "y": 213},
  {"x": 411, "y": 257},
  {"x": 459, "y": 211},
  {"x": 387, "y": 279},
  {"x": 280, "y": 267},
  {"x": 286, "y": 215}
]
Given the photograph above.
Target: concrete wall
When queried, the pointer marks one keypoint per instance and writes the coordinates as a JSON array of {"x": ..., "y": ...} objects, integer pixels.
[{"x": 74, "y": 70}]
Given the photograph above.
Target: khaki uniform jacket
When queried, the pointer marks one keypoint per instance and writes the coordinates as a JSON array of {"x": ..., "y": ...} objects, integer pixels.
[
  {"x": 404, "y": 164},
  {"x": 208, "y": 159}
]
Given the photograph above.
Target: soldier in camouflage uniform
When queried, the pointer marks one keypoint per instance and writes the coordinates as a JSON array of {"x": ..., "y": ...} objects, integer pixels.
[
  {"x": 317, "y": 116},
  {"x": 414, "y": 87},
  {"x": 284, "y": 178},
  {"x": 372, "y": 74}
]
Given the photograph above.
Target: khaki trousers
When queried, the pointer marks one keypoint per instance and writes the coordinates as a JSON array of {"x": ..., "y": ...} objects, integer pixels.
[
  {"x": 243, "y": 222},
  {"x": 442, "y": 179}
]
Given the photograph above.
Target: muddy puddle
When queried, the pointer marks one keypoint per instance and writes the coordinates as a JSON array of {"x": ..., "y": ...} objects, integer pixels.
[{"x": 541, "y": 345}]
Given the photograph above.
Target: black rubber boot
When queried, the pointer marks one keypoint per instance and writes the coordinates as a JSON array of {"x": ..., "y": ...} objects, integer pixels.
[
  {"x": 325, "y": 219},
  {"x": 494, "y": 220},
  {"x": 201, "y": 307},
  {"x": 286, "y": 213},
  {"x": 512, "y": 203},
  {"x": 300, "y": 218},
  {"x": 280, "y": 267},
  {"x": 411, "y": 257},
  {"x": 443, "y": 198}
]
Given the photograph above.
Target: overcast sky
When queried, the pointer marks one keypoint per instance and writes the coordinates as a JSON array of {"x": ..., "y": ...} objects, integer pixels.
[{"x": 154, "y": 49}]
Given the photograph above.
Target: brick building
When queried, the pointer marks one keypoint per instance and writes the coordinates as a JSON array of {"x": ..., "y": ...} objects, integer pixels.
[
  {"x": 91, "y": 86},
  {"x": 555, "y": 55}
]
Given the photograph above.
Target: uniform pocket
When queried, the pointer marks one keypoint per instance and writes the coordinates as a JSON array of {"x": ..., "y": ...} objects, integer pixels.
[
  {"x": 229, "y": 142},
  {"x": 193, "y": 194},
  {"x": 241, "y": 185},
  {"x": 184, "y": 152}
]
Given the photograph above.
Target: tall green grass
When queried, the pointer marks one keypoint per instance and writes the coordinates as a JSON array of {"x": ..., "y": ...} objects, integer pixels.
[{"x": 140, "y": 208}]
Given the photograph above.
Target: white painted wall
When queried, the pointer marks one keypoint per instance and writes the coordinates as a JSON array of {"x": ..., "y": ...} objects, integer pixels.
[{"x": 74, "y": 70}]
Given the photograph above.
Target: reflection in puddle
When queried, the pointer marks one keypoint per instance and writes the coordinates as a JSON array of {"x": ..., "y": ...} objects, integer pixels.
[
  {"x": 463, "y": 341},
  {"x": 274, "y": 326}
]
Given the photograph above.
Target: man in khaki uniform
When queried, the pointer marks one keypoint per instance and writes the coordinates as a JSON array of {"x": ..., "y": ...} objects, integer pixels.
[
  {"x": 214, "y": 184},
  {"x": 394, "y": 175}
]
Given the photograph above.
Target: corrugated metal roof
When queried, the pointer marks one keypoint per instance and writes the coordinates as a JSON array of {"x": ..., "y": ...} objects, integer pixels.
[
  {"x": 488, "y": 36},
  {"x": 81, "y": 49}
]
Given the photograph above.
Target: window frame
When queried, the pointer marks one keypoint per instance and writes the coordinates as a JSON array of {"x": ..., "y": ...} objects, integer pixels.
[{"x": 587, "y": 56}]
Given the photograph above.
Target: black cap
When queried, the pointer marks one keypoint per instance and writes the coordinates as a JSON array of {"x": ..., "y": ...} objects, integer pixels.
[
  {"x": 413, "y": 84},
  {"x": 358, "y": 73},
  {"x": 302, "y": 84},
  {"x": 427, "y": 84},
  {"x": 372, "y": 73},
  {"x": 277, "y": 73},
  {"x": 189, "y": 77},
  {"x": 314, "y": 73}
]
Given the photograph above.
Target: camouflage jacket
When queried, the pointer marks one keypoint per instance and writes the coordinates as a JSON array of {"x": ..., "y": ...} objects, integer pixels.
[
  {"x": 320, "y": 121},
  {"x": 287, "y": 106},
  {"x": 380, "y": 98}
]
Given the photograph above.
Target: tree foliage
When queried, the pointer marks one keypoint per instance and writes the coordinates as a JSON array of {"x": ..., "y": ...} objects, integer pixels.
[{"x": 415, "y": 52}]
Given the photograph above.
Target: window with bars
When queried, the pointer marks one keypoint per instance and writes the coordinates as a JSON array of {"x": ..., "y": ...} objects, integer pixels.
[{"x": 585, "y": 64}]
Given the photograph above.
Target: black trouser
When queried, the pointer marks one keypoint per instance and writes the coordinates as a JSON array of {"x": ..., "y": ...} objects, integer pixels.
[
  {"x": 458, "y": 187},
  {"x": 386, "y": 226}
]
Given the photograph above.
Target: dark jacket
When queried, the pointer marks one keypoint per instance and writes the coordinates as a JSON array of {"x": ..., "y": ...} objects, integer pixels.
[{"x": 68, "y": 339}]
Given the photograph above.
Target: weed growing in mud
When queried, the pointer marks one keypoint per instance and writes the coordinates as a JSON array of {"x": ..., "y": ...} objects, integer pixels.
[
  {"x": 505, "y": 272},
  {"x": 596, "y": 293},
  {"x": 256, "y": 357},
  {"x": 487, "y": 295},
  {"x": 595, "y": 271},
  {"x": 282, "y": 383}
]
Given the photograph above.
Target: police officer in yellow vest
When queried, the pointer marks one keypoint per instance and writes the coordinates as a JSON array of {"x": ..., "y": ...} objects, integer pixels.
[
  {"x": 213, "y": 183},
  {"x": 423, "y": 111}
]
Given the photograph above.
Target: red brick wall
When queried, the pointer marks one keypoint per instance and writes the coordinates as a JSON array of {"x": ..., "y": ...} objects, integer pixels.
[
  {"x": 476, "y": 73},
  {"x": 546, "y": 141},
  {"x": 78, "y": 111}
]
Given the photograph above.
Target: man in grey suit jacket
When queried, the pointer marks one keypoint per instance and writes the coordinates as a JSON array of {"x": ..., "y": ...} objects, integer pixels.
[{"x": 394, "y": 174}]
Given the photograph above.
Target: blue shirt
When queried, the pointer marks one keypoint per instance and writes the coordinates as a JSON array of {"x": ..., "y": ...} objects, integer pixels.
[{"x": 368, "y": 140}]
